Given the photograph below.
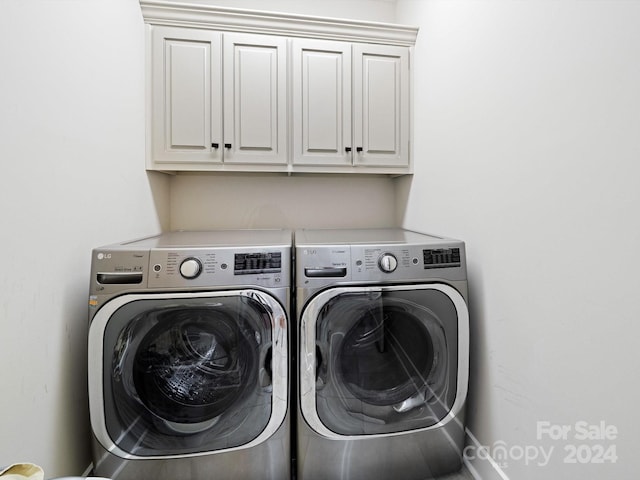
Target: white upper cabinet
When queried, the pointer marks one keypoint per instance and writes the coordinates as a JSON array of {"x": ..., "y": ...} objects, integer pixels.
[
  {"x": 238, "y": 90},
  {"x": 186, "y": 102},
  {"x": 217, "y": 98},
  {"x": 381, "y": 105},
  {"x": 321, "y": 85},
  {"x": 255, "y": 99},
  {"x": 350, "y": 104}
]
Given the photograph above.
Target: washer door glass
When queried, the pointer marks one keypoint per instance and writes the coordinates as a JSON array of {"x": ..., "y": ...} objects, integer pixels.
[
  {"x": 188, "y": 375},
  {"x": 385, "y": 360}
]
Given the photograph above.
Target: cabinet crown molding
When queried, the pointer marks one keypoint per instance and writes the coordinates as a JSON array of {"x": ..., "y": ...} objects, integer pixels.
[{"x": 178, "y": 14}]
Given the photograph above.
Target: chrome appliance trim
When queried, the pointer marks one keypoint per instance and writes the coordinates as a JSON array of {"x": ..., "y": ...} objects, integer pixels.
[
  {"x": 95, "y": 365},
  {"x": 307, "y": 360}
]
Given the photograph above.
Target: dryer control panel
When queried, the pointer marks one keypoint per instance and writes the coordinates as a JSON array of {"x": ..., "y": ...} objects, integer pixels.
[
  {"x": 322, "y": 265},
  {"x": 441, "y": 257}
]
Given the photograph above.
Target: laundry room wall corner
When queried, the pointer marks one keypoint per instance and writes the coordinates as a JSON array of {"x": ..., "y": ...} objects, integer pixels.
[
  {"x": 402, "y": 191},
  {"x": 160, "y": 188}
]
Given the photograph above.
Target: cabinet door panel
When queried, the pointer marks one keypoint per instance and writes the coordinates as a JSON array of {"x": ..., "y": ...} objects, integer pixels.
[
  {"x": 186, "y": 95},
  {"x": 321, "y": 102},
  {"x": 381, "y": 105},
  {"x": 255, "y": 99},
  {"x": 381, "y": 100}
]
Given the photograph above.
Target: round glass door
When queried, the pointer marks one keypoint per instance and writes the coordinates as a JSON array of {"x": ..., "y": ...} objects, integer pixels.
[
  {"x": 193, "y": 364},
  {"x": 188, "y": 375},
  {"x": 386, "y": 354},
  {"x": 385, "y": 359}
]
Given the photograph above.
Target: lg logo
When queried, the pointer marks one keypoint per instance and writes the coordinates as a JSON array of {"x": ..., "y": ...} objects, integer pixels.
[{"x": 103, "y": 256}]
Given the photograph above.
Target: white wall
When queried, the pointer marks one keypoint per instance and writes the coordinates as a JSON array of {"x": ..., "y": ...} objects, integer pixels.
[
  {"x": 72, "y": 152},
  {"x": 368, "y": 10},
  {"x": 277, "y": 201},
  {"x": 527, "y": 140}
]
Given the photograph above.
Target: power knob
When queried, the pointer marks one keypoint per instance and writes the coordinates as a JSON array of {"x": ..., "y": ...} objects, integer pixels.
[
  {"x": 387, "y": 262},
  {"x": 190, "y": 268}
]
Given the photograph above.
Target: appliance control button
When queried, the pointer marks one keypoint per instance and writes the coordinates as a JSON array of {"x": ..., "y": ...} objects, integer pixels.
[
  {"x": 190, "y": 268},
  {"x": 387, "y": 262}
]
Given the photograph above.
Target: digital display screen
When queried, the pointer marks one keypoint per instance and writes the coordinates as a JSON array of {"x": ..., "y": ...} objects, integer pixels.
[
  {"x": 252, "y": 263},
  {"x": 441, "y": 257}
]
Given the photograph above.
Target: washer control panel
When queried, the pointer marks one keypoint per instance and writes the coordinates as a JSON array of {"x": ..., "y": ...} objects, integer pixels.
[
  {"x": 180, "y": 268},
  {"x": 219, "y": 266}
]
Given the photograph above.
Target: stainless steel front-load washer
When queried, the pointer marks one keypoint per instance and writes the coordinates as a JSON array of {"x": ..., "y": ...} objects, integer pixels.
[
  {"x": 189, "y": 356},
  {"x": 383, "y": 344}
]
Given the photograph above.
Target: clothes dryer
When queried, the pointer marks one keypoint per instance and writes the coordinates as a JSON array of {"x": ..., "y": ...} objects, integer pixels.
[
  {"x": 383, "y": 345},
  {"x": 189, "y": 356}
]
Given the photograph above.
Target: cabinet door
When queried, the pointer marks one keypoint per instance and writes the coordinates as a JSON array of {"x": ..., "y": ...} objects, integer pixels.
[
  {"x": 381, "y": 105},
  {"x": 186, "y": 100},
  {"x": 255, "y": 103},
  {"x": 321, "y": 102}
]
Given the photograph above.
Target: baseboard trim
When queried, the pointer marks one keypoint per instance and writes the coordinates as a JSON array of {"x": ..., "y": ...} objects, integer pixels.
[{"x": 482, "y": 466}]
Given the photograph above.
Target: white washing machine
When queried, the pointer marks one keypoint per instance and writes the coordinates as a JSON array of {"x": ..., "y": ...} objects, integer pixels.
[
  {"x": 383, "y": 347},
  {"x": 189, "y": 356}
]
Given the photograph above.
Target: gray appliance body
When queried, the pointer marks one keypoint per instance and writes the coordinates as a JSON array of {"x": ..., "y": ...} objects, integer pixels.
[
  {"x": 382, "y": 352},
  {"x": 188, "y": 356}
]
